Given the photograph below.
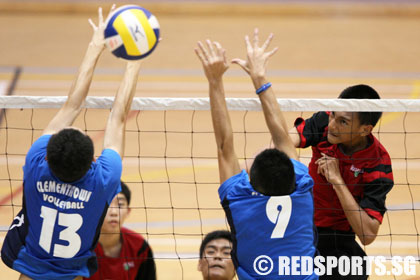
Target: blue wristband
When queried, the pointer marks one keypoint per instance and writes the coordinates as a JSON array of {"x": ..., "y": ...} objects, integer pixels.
[{"x": 264, "y": 87}]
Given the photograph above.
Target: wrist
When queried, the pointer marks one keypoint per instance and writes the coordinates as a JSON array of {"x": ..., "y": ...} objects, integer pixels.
[
  {"x": 258, "y": 81},
  {"x": 338, "y": 183},
  {"x": 214, "y": 81},
  {"x": 96, "y": 48},
  {"x": 263, "y": 88}
]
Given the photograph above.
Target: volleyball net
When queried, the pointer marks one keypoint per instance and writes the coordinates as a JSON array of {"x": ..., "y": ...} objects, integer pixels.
[{"x": 170, "y": 164}]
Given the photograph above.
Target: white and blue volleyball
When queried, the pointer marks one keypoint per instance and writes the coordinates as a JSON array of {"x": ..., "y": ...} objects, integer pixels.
[{"x": 131, "y": 32}]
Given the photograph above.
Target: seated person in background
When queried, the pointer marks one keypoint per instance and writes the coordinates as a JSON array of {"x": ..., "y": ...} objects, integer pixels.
[
  {"x": 270, "y": 211},
  {"x": 215, "y": 261},
  {"x": 351, "y": 171},
  {"x": 122, "y": 253}
]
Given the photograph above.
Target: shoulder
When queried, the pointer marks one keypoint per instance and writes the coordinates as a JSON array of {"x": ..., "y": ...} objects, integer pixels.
[
  {"x": 237, "y": 182},
  {"x": 44, "y": 138},
  {"x": 110, "y": 154},
  {"x": 108, "y": 167},
  {"x": 37, "y": 152},
  {"x": 40, "y": 144},
  {"x": 321, "y": 117},
  {"x": 377, "y": 152},
  {"x": 380, "y": 148},
  {"x": 304, "y": 181},
  {"x": 132, "y": 237}
]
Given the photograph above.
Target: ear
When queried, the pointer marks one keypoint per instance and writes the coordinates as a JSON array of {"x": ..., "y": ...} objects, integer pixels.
[
  {"x": 366, "y": 129},
  {"x": 128, "y": 211},
  {"x": 200, "y": 264}
]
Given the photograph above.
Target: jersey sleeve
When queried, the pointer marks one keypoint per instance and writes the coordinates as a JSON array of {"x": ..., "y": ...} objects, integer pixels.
[
  {"x": 233, "y": 184},
  {"x": 110, "y": 165},
  {"x": 304, "y": 181},
  {"x": 147, "y": 270},
  {"x": 379, "y": 181},
  {"x": 312, "y": 129},
  {"x": 38, "y": 149}
]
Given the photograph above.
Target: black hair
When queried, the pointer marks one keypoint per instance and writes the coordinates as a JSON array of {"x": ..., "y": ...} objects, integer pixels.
[
  {"x": 363, "y": 92},
  {"x": 272, "y": 173},
  {"x": 217, "y": 234},
  {"x": 69, "y": 154},
  {"x": 126, "y": 192}
]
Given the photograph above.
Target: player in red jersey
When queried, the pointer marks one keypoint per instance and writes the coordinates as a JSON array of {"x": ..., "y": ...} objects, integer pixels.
[
  {"x": 122, "y": 253},
  {"x": 351, "y": 171}
]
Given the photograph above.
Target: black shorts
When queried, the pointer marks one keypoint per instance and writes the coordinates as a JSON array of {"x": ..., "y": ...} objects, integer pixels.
[
  {"x": 14, "y": 239},
  {"x": 339, "y": 243}
]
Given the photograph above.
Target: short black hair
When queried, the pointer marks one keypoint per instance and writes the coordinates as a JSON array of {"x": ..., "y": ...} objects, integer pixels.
[
  {"x": 126, "y": 192},
  {"x": 272, "y": 173},
  {"x": 69, "y": 154},
  {"x": 217, "y": 234},
  {"x": 363, "y": 92}
]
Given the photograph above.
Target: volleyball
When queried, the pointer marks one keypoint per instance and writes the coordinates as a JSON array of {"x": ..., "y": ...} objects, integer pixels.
[{"x": 131, "y": 32}]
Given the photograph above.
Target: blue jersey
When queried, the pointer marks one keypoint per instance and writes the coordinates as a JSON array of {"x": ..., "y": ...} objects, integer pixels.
[
  {"x": 62, "y": 220},
  {"x": 265, "y": 228}
]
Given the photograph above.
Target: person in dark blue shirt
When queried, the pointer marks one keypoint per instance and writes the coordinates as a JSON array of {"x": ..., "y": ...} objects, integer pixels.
[{"x": 269, "y": 210}]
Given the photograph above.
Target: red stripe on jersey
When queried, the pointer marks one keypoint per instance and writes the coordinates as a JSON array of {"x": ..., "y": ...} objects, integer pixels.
[
  {"x": 299, "y": 129},
  {"x": 374, "y": 214},
  {"x": 369, "y": 177}
]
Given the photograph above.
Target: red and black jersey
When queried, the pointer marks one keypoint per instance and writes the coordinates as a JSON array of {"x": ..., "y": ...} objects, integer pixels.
[
  {"x": 134, "y": 263},
  {"x": 367, "y": 174}
]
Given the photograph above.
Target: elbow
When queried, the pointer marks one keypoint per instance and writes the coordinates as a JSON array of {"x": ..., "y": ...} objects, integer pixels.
[
  {"x": 225, "y": 147},
  {"x": 367, "y": 238}
]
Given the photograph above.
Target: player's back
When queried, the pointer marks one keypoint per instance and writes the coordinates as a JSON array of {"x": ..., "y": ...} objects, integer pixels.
[
  {"x": 265, "y": 228},
  {"x": 63, "y": 220}
]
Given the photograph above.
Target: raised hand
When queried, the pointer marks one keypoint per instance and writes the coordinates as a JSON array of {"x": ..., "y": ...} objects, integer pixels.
[
  {"x": 257, "y": 56},
  {"x": 98, "y": 39},
  {"x": 213, "y": 58},
  {"x": 330, "y": 169}
]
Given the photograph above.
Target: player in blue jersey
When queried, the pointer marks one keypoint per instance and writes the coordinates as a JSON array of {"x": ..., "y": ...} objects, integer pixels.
[
  {"x": 66, "y": 191},
  {"x": 270, "y": 215}
]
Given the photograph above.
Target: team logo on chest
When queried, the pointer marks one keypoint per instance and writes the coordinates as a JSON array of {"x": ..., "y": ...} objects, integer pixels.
[
  {"x": 356, "y": 171},
  {"x": 128, "y": 265}
]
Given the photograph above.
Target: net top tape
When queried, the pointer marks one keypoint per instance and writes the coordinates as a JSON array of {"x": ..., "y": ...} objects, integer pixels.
[{"x": 234, "y": 104}]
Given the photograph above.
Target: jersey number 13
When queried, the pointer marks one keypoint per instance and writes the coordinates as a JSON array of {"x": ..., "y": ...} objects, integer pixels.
[{"x": 71, "y": 222}]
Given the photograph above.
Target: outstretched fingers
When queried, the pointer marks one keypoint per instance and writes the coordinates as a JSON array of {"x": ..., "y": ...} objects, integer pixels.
[
  {"x": 202, "y": 52},
  {"x": 248, "y": 44},
  {"x": 100, "y": 16},
  {"x": 221, "y": 53},
  {"x": 200, "y": 56},
  {"x": 92, "y": 24},
  {"x": 267, "y": 42},
  {"x": 256, "y": 38},
  {"x": 210, "y": 47},
  {"x": 272, "y": 52},
  {"x": 242, "y": 63},
  {"x": 112, "y": 8}
]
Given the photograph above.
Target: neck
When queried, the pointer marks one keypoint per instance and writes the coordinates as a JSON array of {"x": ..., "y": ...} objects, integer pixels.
[
  {"x": 355, "y": 145},
  {"x": 111, "y": 244}
]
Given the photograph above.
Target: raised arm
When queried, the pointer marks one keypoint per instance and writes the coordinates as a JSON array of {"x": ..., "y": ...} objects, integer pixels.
[
  {"x": 294, "y": 136},
  {"x": 215, "y": 64},
  {"x": 80, "y": 87},
  {"x": 255, "y": 66},
  {"x": 115, "y": 129}
]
